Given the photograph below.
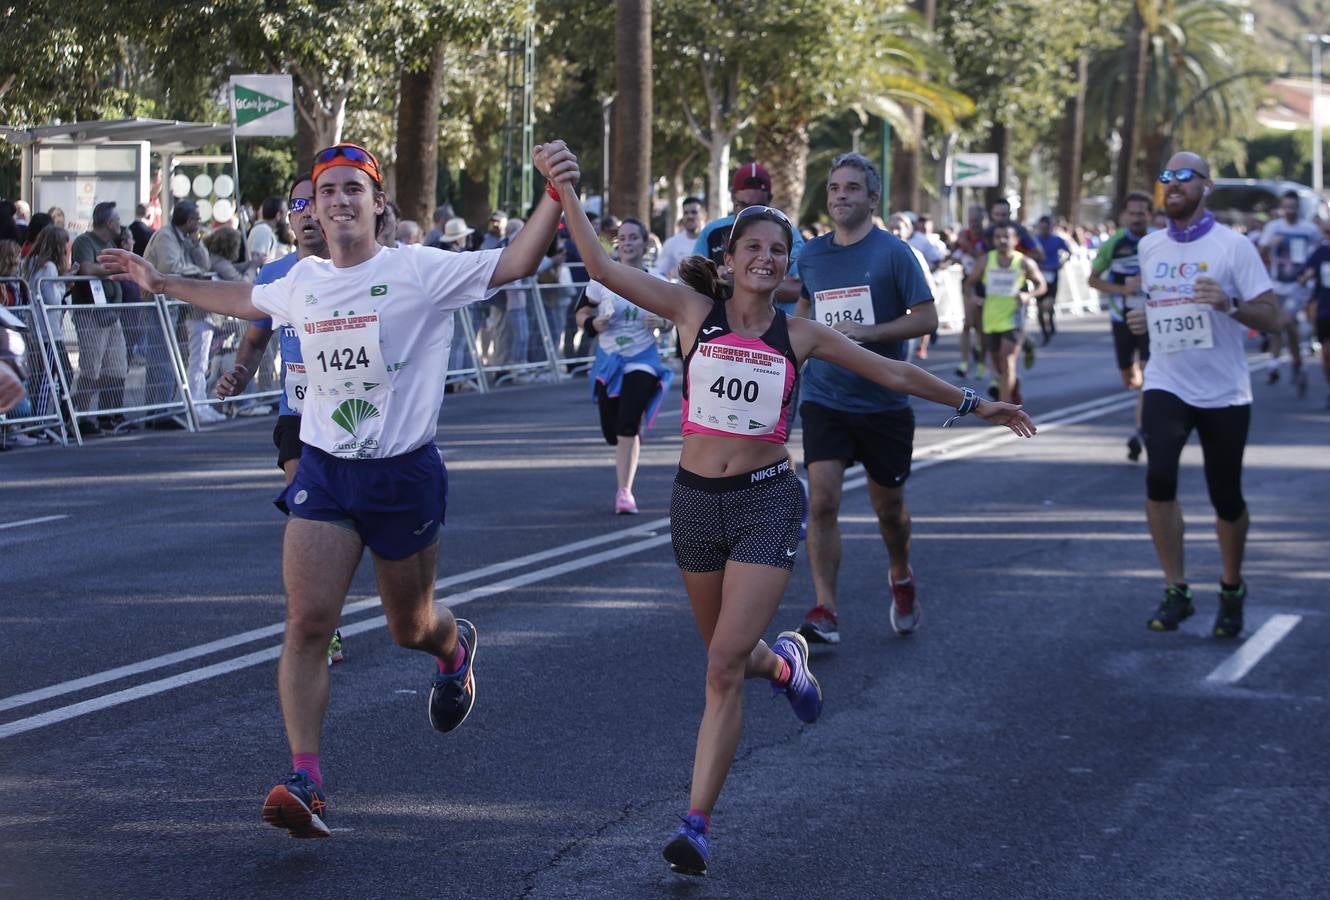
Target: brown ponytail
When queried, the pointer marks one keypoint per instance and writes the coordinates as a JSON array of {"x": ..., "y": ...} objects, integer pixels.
[{"x": 701, "y": 274}]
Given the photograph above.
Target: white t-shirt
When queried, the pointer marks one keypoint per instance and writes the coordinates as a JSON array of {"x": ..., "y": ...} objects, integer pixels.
[
  {"x": 375, "y": 338},
  {"x": 674, "y": 251},
  {"x": 1215, "y": 376},
  {"x": 263, "y": 241},
  {"x": 627, "y": 333},
  {"x": 1288, "y": 247}
]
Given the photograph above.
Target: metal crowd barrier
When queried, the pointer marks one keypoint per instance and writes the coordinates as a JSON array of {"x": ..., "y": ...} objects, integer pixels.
[
  {"x": 206, "y": 345},
  {"x": 40, "y": 413},
  {"x": 114, "y": 361},
  {"x": 133, "y": 360}
]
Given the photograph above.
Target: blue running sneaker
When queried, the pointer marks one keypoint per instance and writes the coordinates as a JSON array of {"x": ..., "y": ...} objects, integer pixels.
[
  {"x": 298, "y": 805},
  {"x": 453, "y": 693},
  {"x": 688, "y": 852},
  {"x": 803, "y": 690}
]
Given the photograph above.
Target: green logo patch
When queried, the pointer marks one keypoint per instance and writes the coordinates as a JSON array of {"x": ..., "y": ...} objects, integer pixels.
[
  {"x": 378, "y": 290},
  {"x": 350, "y": 414}
]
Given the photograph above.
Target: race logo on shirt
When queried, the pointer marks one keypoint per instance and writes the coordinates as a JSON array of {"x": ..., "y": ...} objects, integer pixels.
[
  {"x": 350, "y": 414},
  {"x": 311, "y": 300},
  {"x": 378, "y": 290}
]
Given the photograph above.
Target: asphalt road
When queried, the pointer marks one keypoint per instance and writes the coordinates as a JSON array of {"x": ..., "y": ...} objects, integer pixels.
[{"x": 1033, "y": 739}]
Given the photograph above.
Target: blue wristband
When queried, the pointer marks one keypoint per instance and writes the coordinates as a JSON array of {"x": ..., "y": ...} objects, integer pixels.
[{"x": 969, "y": 400}]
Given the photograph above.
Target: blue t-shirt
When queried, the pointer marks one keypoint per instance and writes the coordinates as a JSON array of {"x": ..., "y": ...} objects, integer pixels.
[
  {"x": 288, "y": 342},
  {"x": 1319, "y": 263},
  {"x": 1053, "y": 246},
  {"x": 886, "y": 267}
]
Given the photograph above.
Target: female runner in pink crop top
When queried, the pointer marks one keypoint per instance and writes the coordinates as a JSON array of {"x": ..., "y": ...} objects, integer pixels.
[{"x": 736, "y": 508}]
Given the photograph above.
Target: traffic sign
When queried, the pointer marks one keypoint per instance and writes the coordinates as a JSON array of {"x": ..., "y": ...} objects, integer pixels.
[
  {"x": 262, "y": 105},
  {"x": 973, "y": 170}
]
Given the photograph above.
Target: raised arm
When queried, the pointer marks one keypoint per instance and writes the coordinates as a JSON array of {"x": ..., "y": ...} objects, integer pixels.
[
  {"x": 523, "y": 255},
  {"x": 677, "y": 302},
  {"x": 830, "y": 345},
  {"x": 230, "y": 298}
]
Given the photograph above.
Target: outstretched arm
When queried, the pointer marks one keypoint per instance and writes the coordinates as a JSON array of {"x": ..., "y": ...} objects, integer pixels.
[
  {"x": 830, "y": 345},
  {"x": 677, "y": 302},
  {"x": 230, "y": 298}
]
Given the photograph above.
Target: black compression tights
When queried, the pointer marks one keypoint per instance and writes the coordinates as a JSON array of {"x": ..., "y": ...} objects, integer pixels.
[{"x": 1167, "y": 422}]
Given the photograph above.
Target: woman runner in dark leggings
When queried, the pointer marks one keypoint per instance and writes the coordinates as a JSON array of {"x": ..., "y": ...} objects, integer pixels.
[
  {"x": 737, "y": 506},
  {"x": 628, "y": 379}
]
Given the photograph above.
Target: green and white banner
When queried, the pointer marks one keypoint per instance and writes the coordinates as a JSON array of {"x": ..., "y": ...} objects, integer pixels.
[{"x": 262, "y": 105}]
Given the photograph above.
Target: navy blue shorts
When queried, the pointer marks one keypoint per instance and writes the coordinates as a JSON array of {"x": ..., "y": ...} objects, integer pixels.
[{"x": 396, "y": 504}]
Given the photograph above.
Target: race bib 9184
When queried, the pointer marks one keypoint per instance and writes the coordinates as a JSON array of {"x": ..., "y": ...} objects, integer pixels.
[
  {"x": 851, "y": 304},
  {"x": 1178, "y": 324}
]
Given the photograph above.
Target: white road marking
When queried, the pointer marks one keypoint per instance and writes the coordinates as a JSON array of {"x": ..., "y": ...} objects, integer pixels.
[
  {"x": 138, "y": 692},
  {"x": 247, "y": 637},
  {"x": 1245, "y": 658},
  {"x": 961, "y": 446},
  {"x": 37, "y": 521}
]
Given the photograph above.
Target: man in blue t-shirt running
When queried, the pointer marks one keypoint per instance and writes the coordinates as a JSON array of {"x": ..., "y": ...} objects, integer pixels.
[{"x": 868, "y": 285}]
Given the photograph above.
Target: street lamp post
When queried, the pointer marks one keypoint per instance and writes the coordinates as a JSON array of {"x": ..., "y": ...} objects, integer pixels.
[
  {"x": 1316, "y": 40},
  {"x": 606, "y": 103}
]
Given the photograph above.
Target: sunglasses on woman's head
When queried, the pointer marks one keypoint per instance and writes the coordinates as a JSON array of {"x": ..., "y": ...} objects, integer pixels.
[
  {"x": 1181, "y": 176},
  {"x": 767, "y": 212}
]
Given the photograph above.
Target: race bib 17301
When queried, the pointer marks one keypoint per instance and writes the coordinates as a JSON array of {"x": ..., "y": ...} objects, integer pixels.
[{"x": 1177, "y": 324}]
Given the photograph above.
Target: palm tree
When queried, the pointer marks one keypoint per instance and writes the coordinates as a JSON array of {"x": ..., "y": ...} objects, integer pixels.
[
  {"x": 1188, "y": 48},
  {"x": 896, "y": 74},
  {"x": 630, "y": 166}
]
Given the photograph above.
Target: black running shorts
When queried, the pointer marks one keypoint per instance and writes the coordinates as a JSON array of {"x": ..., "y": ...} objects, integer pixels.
[
  {"x": 286, "y": 437},
  {"x": 749, "y": 518},
  {"x": 1130, "y": 347},
  {"x": 882, "y": 441}
]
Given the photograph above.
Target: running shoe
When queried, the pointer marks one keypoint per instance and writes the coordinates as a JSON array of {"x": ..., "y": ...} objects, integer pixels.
[
  {"x": 688, "y": 852},
  {"x": 1228, "y": 621},
  {"x": 298, "y": 805},
  {"x": 1028, "y": 346},
  {"x": 804, "y": 692},
  {"x": 993, "y": 392},
  {"x": 1273, "y": 377},
  {"x": 980, "y": 371},
  {"x": 820, "y": 626},
  {"x": 336, "y": 653},
  {"x": 1134, "y": 448},
  {"x": 905, "y": 610},
  {"x": 454, "y": 693},
  {"x": 963, "y": 369},
  {"x": 624, "y": 504},
  {"x": 1175, "y": 608},
  {"x": 1300, "y": 383}
]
